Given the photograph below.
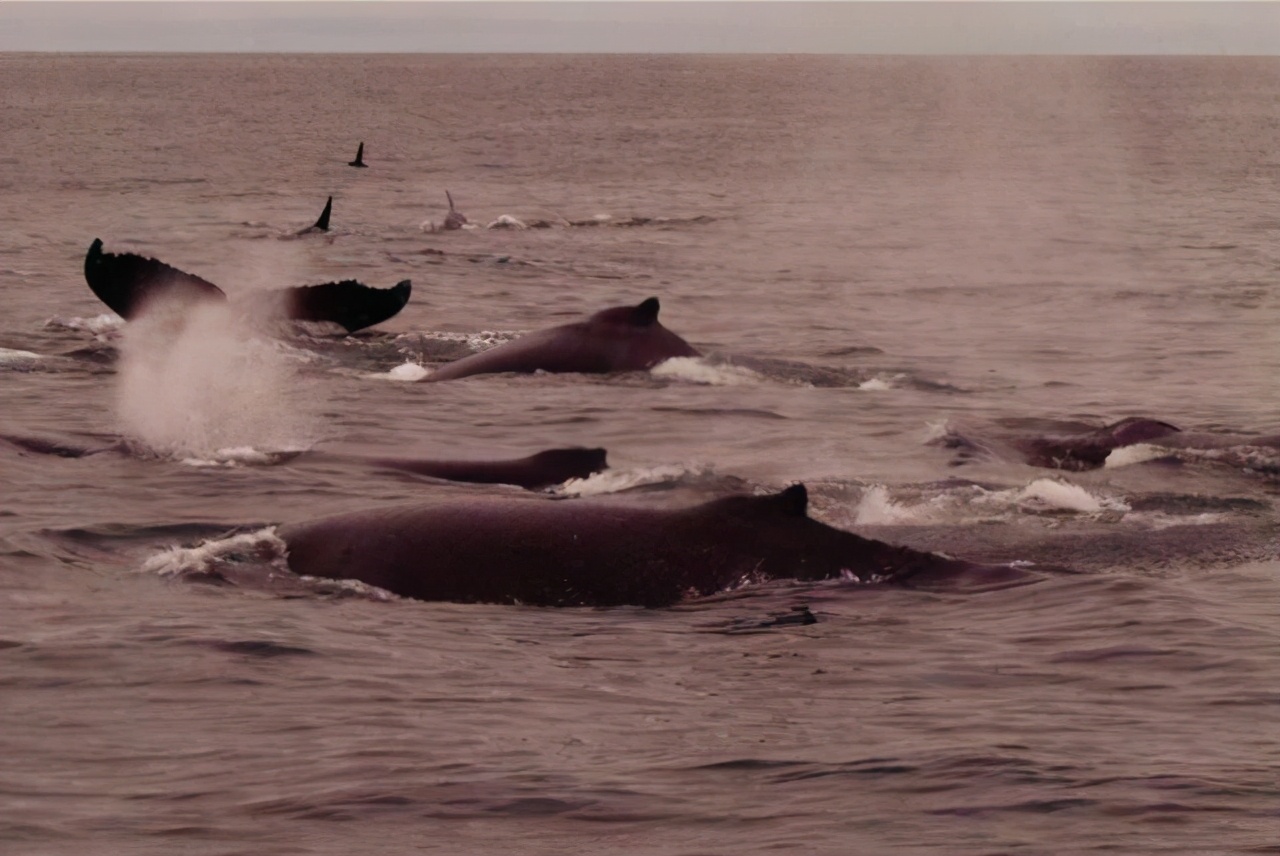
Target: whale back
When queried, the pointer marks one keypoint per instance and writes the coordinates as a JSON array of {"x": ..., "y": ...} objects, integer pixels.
[
  {"x": 127, "y": 283},
  {"x": 621, "y": 338},
  {"x": 582, "y": 552},
  {"x": 543, "y": 469}
]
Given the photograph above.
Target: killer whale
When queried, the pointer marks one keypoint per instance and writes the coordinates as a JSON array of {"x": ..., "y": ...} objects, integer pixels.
[
  {"x": 587, "y": 553},
  {"x": 322, "y": 223},
  {"x": 622, "y": 338},
  {"x": 359, "y": 161},
  {"x": 127, "y": 283}
]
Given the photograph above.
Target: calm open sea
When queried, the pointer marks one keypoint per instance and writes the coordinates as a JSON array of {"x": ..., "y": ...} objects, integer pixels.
[{"x": 871, "y": 251}]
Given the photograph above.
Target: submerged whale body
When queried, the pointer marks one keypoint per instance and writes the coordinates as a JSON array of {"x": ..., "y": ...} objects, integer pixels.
[
  {"x": 624, "y": 338},
  {"x": 583, "y": 553},
  {"x": 543, "y": 469},
  {"x": 1077, "y": 446},
  {"x": 127, "y": 283}
]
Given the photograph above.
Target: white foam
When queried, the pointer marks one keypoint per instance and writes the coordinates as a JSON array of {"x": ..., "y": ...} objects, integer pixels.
[
  {"x": 1125, "y": 456},
  {"x": 876, "y": 508},
  {"x": 1053, "y": 494},
  {"x": 405, "y": 372},
  {"x": 104, "y": 323},
  {"x": 616, "y": 480},
  {"x": 198, "y": 381},
  {"x": 876, "y": 384},
  {"x": 506, "y": 221},
  {"x": 237, "y": 456},
  {"x": 264, "y": 545},
  {"x": 698, "y": 370},
  {"x": 11, "y": 356}
]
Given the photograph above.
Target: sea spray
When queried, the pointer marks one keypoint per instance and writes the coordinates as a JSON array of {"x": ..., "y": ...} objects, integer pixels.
[{"x": 195, "y": 382}]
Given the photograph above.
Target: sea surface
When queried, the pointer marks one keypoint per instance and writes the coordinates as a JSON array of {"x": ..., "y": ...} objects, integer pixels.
[{"x": 873, "y": 253}]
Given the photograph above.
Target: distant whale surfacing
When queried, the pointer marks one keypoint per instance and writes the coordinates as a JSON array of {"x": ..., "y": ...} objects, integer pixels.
[
  {"x": 126, "y": 283},
  {"x": 584, "y": 553},
  {"x": 359, "y": 161},
  {"x": 623, "y": 338}
]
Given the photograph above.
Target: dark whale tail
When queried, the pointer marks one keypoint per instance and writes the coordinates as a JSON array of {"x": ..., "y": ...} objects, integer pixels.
[
  {"x": 349, "y": 303},
  {"x": 359, "y": 161},
  {"x": 322, "y": 225},
  {"x": 127, "y": 282}
]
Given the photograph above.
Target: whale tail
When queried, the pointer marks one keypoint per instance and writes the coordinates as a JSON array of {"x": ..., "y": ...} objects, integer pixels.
[
  {"x": 359, "y": 161},
  {"x": 127, "y": 282},
  {"x": 322, "y": 225},
  {"x": 350, "y": 304}
]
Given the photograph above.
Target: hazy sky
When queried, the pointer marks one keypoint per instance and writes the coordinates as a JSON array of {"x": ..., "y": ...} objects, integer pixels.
[{"x": 879, "y": 26}]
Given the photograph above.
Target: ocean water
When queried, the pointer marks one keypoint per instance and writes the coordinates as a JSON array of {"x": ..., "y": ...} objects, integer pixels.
[{"x": 873, "y": 253}]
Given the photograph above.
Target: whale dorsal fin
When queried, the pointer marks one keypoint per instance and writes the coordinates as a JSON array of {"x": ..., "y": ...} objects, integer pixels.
[
  {"x": 359, "y": 161},
  {"x": 646, "y": 313},
  {"x": 794, "y": 500},
  {"x": 323, "y": 223}
]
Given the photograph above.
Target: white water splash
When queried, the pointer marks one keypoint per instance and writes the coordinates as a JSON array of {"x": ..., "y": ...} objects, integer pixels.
[
  {"x": 1058, "y": 495},
  {"x": 875, "y": 508},
  {"x": 616, "y": 480},
  {"x": 264, "y": 545},
  {"x": 13, "y": 357},
  {"x": 98, "y": 324},
  {"x": 405, "y": 372},
  {"x": 199, "y": 381},
  {"x": 1138, "y": 453},
  {"x": 698, "y": 370}
]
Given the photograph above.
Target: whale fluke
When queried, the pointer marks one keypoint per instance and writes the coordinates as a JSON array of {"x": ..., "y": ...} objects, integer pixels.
[
  {"x": 126, "y": 282},
  {"x": 349, "y": 303},
  {"x": 359, "y": 161}
]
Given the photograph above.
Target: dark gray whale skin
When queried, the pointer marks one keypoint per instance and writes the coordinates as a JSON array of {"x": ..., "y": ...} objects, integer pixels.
[
  {"x": 128, "y": 283},
  {"x": 539, "y": 470},
  {"x": 1077, "y": 447},
  {"x": 587, "y": 553},
  {"x": 623, "y": 338}
]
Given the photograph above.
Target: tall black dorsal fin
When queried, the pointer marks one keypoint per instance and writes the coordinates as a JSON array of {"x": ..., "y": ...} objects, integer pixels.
[
  {"x": 126, "y": 282},
  {"x": 323, "y": 223},
  {"x": 359, "y": 161},
  {"x": 645, "y": 313},
  {"x": 349, "y": 303}
]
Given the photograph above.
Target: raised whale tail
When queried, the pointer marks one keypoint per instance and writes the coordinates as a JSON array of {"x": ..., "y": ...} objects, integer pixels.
[
  {"x": 359, "y": 161},
  {"x": 127, "y": 282},
  {"x": 349, "y": 303}
]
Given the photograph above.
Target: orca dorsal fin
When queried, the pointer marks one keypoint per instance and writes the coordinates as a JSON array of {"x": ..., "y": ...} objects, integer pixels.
[
  {"x": 359, "y": 161},
  {"x": 645, "y": 313},
  {"x": 323, "y": 223},
  {"x": 449, "y": 196}
]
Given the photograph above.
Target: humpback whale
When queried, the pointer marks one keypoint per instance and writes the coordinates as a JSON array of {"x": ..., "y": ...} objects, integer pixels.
[
  {"x": 1078, "y": 446},
  {"x": 623, "y": 338},
  {"x": 126, "y": 283},
  {"x": 359, "y": 161},
  {"x": 587, "y": 553},
  {"x": 534, "y": 472}
]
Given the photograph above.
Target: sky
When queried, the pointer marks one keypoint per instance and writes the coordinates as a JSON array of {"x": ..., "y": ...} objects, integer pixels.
[{"x": 1250, "y": 27}]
